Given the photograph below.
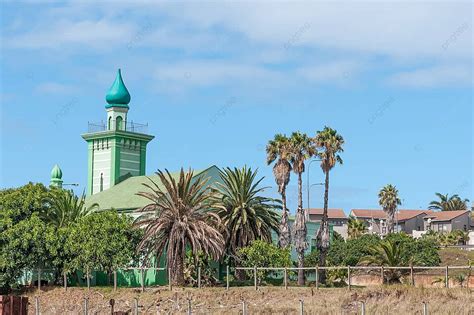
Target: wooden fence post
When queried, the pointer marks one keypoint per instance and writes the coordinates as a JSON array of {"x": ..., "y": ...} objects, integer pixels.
[
  {"x": 135, "y": 306},
  {"x": 39, "y": 279},
  {"x": 425, "y": 308},
  {"x": 317, "y": 277},
  {"x": 169, "y": 279},
  {"x": 143, "y": 279},
  {"x": 244, "y": 308},
  {"x": 37, "y": 305},
  {"x": 301, "y": 307},
  {"x": 86, "y": 306},
  {"x": 447, "y": 277},
  {"x": 88, "y": 279},
  {"x": 382, "y": 274},
  {"x": 255, "y": 277},
  {"x": 65, "y": 280},
  {"x": 412, "y": 276},
  {"x": 349, "y": 276},
  {"x": 286, "y": 278},
  {"x": 199, "y": 277},
  {"x": 362, "y": 307},
  {"x": 228, "y": 275},
  {"x": 115, "y": 280}
]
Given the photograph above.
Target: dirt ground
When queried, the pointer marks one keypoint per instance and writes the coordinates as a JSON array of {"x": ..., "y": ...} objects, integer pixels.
[{"x": 266, "y": 300}]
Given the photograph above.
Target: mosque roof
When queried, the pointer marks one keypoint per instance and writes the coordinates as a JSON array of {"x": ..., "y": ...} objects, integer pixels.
[{"x": 118, "y": 95}]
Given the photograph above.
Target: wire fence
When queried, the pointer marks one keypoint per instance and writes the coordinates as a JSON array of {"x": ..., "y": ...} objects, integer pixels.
[{"x": 349, "y": 276}]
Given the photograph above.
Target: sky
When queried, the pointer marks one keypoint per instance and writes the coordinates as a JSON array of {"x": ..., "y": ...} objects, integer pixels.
[{"x": 215, "y": 81}]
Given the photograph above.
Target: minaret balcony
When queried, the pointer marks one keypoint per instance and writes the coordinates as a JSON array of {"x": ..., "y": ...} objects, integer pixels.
[{"x": 112, "y": 125}]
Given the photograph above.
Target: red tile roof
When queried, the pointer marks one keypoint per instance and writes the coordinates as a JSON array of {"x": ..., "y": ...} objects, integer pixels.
[
  {"x": 447, "y": 215},
  {"x": 332, "y": 213},
  {"x": 402, "y": 215}
]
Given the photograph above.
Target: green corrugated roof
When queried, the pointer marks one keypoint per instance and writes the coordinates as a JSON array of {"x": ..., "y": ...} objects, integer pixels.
[{"x": 123, "y": 195}]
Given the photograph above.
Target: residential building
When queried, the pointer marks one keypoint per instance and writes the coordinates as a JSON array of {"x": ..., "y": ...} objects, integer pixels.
[
  {"x": 336, "y": 217},
  {"x": 447, "y": 221}
]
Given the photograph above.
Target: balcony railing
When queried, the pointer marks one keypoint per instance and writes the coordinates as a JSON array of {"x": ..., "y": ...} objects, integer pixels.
[{"x": 129, "y": 126}]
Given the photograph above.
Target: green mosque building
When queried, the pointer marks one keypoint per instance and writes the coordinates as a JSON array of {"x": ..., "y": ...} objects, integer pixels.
[{"x": 116, "y": 172}]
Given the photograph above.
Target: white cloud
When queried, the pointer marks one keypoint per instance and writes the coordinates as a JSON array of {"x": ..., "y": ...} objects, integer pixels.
[
  {"x": 336, "y": 71},
  {"x": 455, "y": 75}
]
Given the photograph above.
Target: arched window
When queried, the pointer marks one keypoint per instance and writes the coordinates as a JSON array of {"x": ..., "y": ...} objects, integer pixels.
[
  {"x": 119, "y": 123},
  {"x": 101, "y": 181},
  {"x": 110, "y": 124}
]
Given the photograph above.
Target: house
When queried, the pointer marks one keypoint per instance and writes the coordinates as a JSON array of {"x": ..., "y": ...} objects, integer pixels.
[
  {"x": 405, "y": 220},
  {"x": 447, "y": 221},
  {"x": 336, "y": 217}
]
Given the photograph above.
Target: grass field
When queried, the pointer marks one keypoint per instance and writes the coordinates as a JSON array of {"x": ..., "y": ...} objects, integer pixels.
[{"x": 267, "y": 300}]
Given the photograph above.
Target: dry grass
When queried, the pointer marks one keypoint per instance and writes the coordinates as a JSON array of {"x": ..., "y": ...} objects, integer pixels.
[
  {"x": 455, "y": 256},
  {"x": 267, "y": 300}
]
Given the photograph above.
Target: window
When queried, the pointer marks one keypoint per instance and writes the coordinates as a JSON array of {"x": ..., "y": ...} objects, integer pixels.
[
  {"x": 465, "y": 228},
  {"x": 101, "y": 181},
  {"x": 119, "y": 123},
  {"x": 110, "y": 123}
]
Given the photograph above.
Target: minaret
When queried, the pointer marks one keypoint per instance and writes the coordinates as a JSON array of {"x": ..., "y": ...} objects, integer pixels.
[
  {"x": 117, "y": 148},
  {"x": 56, "y": 177}
]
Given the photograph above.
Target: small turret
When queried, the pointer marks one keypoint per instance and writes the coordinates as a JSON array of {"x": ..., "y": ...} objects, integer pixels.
[{"x": 56, "y": 177}]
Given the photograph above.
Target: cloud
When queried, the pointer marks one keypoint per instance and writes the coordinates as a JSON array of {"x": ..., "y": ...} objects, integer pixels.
[
  {"x": 445, "y": 75},
  {"x": 335, "y": 71},
  {"x": 54, "y": 88}
]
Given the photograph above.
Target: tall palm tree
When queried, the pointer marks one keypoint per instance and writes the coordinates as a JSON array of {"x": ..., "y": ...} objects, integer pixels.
[
  {"x": 329, "y": 144},
  {"x": 177, "y": 218},
  {"x": 448, "y": 203},
  {"x": 302, "y": 148},
  {"x": 246, "y": 215},
  {"x": 66, "y": 208},
  {"x": 389, "y": 200},
  {"x": 355, "y": 228},
  {"x": 279, "y": 149}
]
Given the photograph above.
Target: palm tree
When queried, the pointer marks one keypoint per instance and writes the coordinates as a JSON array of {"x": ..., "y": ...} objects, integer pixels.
[
  {"x": 177, "y": 218},
  {"x": 447, "y": 203},
  {"x": 387, "y": 253},
  {"x": 279, "y": 149},
  {"x": 245, "y": 214},
  {"x": 301, "y": 149},
  {"x": 329, "y": 143},
  {"x": 389, "y": 200},
  {"x": 355, "y": 228},
  {"x": 66, "y": 208}
]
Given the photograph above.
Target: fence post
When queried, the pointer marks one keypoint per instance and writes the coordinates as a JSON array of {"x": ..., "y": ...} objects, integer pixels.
[
  {"x": 86, "y": 306},
  {"x": 425, "y": 308},
  {"x": 244, "y": 308},
  {"x": 143, "y": 279},
  {"x": 189, "y": 307},
  {"x": 169, "y": 279},
  {"x": 469, "y": 274},
  {"x": 65, "y": 280},
  {"x": 199, "y": 277},
  {"x": 286, "y": 278},
  {"x": 412, "y": 276},
  {"x": 382, "y": 274},
  {"x": 88, "y": 279},
  {"x": 135, "y": 306},
  {"x": 39, "y": 279},
  {"x": 115, "y": 280},
  {"x": 301, "y": 307},
  {"x": 228, "y": 275},
  {"x": 112, "y": 303},
  {"x": 317, "y": 277},
  {"x": 37, "y": 305},
  {"x": 447, "y": 277},
  {"x": 349, "y": 277},
  {"x": 362, "y": 307},
  {"x": 255, "y": 277}
]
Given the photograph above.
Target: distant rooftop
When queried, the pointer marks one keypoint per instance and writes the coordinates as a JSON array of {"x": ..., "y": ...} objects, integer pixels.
[{"x": 332, "y": 213}]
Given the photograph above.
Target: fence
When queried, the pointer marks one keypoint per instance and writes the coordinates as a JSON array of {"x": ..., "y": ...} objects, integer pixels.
[
  {"x": 446, "y": 276},
  {"x": 188, "y": 306}
]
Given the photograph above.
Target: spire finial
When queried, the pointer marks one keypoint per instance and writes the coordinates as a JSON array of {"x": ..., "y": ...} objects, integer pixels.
[
  {"x": 118, "y": 95},
  {"x": 56, "y": 177}
]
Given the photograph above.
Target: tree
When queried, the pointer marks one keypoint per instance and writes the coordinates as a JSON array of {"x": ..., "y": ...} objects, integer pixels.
[
  {"x": 103, "y": 241},
  {"x": 279, "y": 149},
  {"x": 264, "y": 254},
  {"x": 178, "y": 218},
  {"x": 389, "y": 200},
  {"x": 246, "y": 215},
  {"x": 329, "y": 144},
  {"x": 356, "y": 228},
  {"x": 301, "y": 149},
  {"x": 387, "y": 253},
  {"x": 65, "y": 208},
  {"x": 448, "y": 203}
]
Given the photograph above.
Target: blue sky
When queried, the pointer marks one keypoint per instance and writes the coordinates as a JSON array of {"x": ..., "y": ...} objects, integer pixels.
[{"x": 216, "y": 81}]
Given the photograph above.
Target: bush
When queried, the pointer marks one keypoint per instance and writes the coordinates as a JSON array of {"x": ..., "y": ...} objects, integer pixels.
[{"x": 263, "y": 254}]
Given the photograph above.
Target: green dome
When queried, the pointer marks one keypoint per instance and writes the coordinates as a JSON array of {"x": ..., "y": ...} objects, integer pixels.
[
  {"x": 118, "y": 95},
  {"x": 56, "y": 172}
]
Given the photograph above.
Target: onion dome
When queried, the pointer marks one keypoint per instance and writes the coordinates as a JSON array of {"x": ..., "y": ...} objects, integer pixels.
[
  {"x": 118, "y": 95},
  {"x": 56, "y": 177}
]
